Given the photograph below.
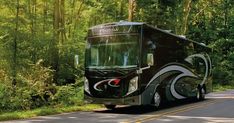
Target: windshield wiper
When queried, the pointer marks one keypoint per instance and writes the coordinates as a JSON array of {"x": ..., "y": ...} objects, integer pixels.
[
  {"x": 118, "y": 70},
  {"x": 98, "y": 70}
]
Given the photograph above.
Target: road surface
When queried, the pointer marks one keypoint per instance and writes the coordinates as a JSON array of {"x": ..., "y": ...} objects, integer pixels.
[{"x": 217, "y": 108}]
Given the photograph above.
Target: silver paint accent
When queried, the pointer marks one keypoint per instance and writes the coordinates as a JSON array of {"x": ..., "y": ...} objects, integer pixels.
[
  {"x": 104, "y": 81},
  {"x": 209, "y": 60},
  {"x": 206, "y": 63},
  {"x": 185, "y": 72}
]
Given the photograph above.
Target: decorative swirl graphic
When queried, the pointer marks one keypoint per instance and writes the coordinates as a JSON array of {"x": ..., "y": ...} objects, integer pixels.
[
  {"x": 184, "y": 73},
  {"x": 206, "y": 64},
  {"x": 110, "y": 82}
]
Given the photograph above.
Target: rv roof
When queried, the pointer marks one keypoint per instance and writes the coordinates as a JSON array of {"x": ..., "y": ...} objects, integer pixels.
[{"x": 121, "y": 23}]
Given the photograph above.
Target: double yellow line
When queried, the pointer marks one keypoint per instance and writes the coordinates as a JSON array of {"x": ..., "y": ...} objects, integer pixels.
[{"x": 155, "y": 116}]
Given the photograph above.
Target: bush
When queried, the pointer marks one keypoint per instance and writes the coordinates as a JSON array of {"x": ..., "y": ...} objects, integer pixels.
[
  {"x": 223, "y": 60},
  {"x": 68, "y": 95},
  {"x": 221, "y": 76},
  {"x": 4, "y": 97},
  {"x": 36, "y": 83},
  {"x": 35, "y": 88},
  {"x": 14, "y": 98}
]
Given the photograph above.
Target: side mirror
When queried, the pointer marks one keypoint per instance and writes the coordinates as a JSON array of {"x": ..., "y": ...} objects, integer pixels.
[
  {"x": 76, "y": 61},
  {"x": 150, "y": 59}
]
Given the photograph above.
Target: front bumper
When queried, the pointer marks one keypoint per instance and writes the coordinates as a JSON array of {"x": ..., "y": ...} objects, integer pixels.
[{"x": 134, "y": 100}]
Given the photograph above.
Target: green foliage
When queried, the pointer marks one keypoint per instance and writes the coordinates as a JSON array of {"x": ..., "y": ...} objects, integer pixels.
[
  {"x": 32, "y": 90},
  {"x": 13, "y": 99},
  {"x": 35, "y": 89},
  {"x": 4, "y": 97},
  {"x": 223, "y": 61},
  {"x": 218, "y": 87},
  {"x": 68, "y": 95}
]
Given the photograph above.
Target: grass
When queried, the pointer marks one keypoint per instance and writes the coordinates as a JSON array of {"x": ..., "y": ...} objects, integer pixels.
[
  {"x": 61, "y": 109},
  {"x": 218, "y": 87},
  {"x": 45, "y": 111}
]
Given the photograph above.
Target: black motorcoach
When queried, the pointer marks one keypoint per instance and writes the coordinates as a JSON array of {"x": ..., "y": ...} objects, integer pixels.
[{"x": 132, "y": 63}]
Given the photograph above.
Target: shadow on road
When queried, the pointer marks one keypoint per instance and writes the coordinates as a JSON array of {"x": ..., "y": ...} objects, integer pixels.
[{"x": 147, "y": 109}]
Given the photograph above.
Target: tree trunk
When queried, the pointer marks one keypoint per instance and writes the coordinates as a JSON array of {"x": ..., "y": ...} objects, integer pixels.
[
  {"x": 45, "y": 7},
  {"x": 121, "y": 11},
  {"x": 131, "y": 9},
  {"x": 62, "y": 22},
  {"x": 186, "y": 11},
  {"x": 55, "y": 42},
  {"x": 15, "y": 45},
  {"x": 59, "y": 35},
  {"x": 33, "y": 28},
  {"x": 77, "y": 17},
  {"x": 70, "y": 18},
  {"x": 226, "y": 7},
  {"x": 182, "y": 19}
]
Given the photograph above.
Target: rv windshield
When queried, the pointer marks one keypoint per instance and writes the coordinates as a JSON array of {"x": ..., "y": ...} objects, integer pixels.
[{"x": 119, "y": 51}]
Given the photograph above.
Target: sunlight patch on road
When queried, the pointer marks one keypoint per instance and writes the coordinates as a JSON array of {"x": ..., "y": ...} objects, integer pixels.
[
  {"x": 166, "y": 120},
  {"x": 204, "y": 119},
  {"x": 221, "y": 95},
  {"x": 50, "y": 118}
]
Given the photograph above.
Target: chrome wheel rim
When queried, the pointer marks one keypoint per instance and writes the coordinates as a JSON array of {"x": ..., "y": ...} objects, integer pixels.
[
  {"x": 198, "y": 94},
  {"x": 157, "y": 99},
  {"x": 202, "y": 93}
]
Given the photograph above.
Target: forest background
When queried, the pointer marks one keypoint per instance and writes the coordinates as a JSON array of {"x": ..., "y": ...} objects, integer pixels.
[{"x": 39, "y": 39}]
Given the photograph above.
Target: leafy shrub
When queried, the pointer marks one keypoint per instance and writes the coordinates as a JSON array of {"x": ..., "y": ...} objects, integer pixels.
[
  {"x": 223, "y": 60},
  {"x": 36, "y": 83},
  {"x": 4, "y": 97},
  {"x": 221, "y": 76},
  {"x": 68, "y": 95},
  {"x": 13, "y": 98},
  {"x": 35, "y": 88}
]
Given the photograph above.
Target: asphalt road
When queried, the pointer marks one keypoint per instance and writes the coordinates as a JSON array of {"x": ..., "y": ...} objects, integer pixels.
[{"x": 217, "y": 108}]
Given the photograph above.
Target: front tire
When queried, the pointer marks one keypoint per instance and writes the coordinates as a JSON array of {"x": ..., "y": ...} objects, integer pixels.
[{"x": 110, "y": 107}]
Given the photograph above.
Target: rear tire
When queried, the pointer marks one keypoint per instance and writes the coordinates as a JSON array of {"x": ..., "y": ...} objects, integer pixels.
[{"x": 110, "y": 107}]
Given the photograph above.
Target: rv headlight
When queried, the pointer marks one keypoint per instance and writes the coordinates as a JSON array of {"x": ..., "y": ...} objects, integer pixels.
[
  {"x": 86, "y": 85},
  {"x": 133, "y": 85}
]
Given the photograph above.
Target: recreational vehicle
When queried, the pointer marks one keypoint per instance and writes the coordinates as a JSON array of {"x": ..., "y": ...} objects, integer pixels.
[{"x": 132, "y": 63}]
